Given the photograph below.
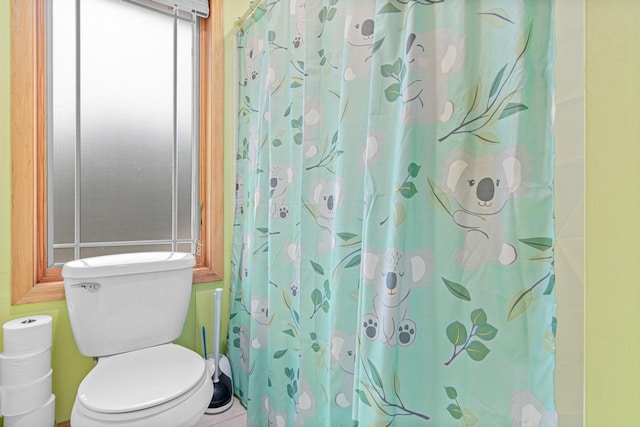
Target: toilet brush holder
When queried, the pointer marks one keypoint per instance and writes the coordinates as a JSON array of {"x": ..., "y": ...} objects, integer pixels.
[{"x": 222, "y": 398}]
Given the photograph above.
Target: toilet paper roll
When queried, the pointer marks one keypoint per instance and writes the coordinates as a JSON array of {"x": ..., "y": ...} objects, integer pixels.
[
  {"x": 25, "y": 398},
  {"x": 28, "y": 335},
  {"x": 20, "y": 370},
  {"x": 44, "y": 416}
]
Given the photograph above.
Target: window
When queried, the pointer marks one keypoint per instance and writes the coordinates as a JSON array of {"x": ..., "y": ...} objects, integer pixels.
[
  {"x": 122, "y": 140},
  {"x": 36, "y": 272}
]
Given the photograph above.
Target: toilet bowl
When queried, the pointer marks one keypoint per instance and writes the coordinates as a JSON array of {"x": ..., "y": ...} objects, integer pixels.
[
  {"x": 126, "y": 310},
  {"x": 167, "y": 385}
]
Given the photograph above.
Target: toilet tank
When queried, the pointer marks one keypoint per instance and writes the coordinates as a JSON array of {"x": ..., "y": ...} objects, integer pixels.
[{"x": 125, "y": 302}]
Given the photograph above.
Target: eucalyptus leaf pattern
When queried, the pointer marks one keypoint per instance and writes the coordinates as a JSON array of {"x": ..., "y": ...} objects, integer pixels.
[
  {"x": 393, "y": 237},
  {"x": 467, "y": 415},
  {"x": 462, "y": 339},
  {"x": 374, "y": 394},
  {"x": 482, "y": 114},
  {"x": 407, "y": 190}
]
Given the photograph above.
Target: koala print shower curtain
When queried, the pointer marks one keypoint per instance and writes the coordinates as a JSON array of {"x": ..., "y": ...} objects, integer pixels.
[{"x": 393, "y": 239}]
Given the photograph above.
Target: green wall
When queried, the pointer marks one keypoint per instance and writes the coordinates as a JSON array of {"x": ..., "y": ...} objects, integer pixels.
[
  {"x": 612, "y": 203},
  {"x": 613, "y": 206}
]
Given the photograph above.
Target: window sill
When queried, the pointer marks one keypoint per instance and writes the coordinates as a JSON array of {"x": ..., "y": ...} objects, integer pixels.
[{"x": 54, "y": 290}]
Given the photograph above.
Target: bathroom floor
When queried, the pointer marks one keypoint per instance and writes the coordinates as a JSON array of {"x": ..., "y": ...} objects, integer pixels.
[{"x": 236, "y": 416}]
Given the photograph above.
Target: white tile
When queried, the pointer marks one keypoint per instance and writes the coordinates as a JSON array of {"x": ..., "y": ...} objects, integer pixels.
[
  {"x": 232, "y": 417},
  {"x": 239, "y": 421}
]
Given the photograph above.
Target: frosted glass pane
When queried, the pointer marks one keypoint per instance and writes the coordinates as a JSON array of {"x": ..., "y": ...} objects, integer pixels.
[
  {"x": 62, "y": 255},
  {"x": 62, "y": 116},
  {"x": 185, "y": 247},
  {"x": 184, "y": 123},
  {"x": 112, "y": 250},
  {"x": 126, "y": 100}
]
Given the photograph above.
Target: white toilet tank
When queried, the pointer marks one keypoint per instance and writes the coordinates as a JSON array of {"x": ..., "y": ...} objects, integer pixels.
[{"x": 125, "y": 302}]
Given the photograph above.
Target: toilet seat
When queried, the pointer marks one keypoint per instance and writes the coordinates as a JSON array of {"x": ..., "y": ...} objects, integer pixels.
[
  {"x": 140, "y": 379},
  {"x": 138, "y": 387}
]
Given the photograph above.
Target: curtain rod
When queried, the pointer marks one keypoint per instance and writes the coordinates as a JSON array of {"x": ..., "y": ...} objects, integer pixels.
[{"x": 249, "y": 13}]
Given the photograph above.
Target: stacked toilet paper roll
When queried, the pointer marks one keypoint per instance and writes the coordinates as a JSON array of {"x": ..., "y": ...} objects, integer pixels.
[{"x": 25, "y": 373}]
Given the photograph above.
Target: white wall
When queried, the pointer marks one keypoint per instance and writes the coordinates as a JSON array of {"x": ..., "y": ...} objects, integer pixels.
[{"x": 570, "y": 211}]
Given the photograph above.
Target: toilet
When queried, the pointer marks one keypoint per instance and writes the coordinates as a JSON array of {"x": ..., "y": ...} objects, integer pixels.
[{"x": 125, "y": 310}]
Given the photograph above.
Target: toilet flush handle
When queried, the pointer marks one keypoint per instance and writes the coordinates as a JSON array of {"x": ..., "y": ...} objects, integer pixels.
[{"x": 90, "y": 286}]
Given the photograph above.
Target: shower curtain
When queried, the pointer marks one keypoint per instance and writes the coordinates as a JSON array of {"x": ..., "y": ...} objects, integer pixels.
[{"x": 392, "y": 259}]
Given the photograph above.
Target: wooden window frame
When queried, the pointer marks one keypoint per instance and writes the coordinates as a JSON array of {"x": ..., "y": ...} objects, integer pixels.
[{"x": 32, "y": 280}]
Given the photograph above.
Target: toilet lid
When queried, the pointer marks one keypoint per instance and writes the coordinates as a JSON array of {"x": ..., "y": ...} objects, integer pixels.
[{"x": 141, "y": 379}]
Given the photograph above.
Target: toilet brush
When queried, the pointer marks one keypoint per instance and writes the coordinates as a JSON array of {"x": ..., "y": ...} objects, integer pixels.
[{"x": 222, "y": 398}]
